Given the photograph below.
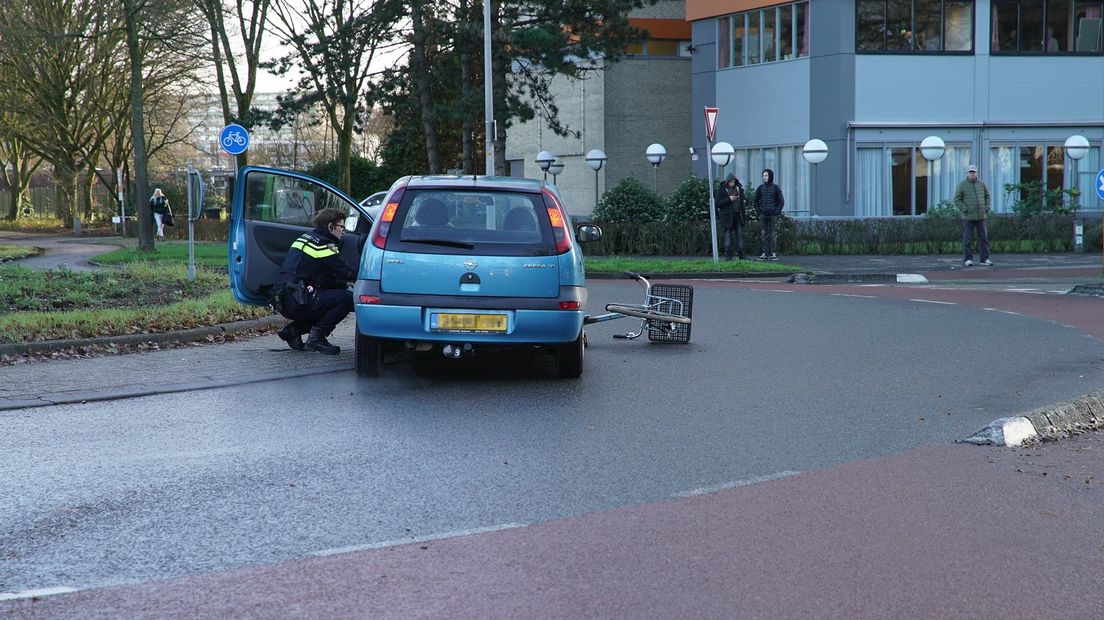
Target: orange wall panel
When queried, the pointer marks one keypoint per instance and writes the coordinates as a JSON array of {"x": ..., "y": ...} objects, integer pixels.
[
  {"x": 701, "y": 9},
  {"x": 663, "y": 28}
]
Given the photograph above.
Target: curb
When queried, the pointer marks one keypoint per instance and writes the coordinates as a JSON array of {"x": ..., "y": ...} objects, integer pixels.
[
  {"x": 1088, "y": 290},
  {"x": 857, "y": 278},
  {"x": 1053, "y": 422},
  {"x": 184, "y": 335},
  {"x": 689, "y": 275}
]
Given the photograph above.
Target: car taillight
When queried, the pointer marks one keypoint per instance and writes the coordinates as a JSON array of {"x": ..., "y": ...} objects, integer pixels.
[
  {"x": 369, "y": 299},
  {"x": 570, "y": 305},
  {"x": 560, "y": 230},
  {"x": 386, "y": 216}
]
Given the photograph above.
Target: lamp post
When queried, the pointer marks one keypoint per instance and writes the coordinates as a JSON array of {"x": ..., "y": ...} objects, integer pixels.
[
  {"x": 595, "y": 159},
  {"x": 1077, "y": 146},
  {"x": 932, "y": 149},
  {"x": 545, "y": 160},
  {"x": 656, "y": 153},
  {"x": 556, "y": 168},
  {"x": 815, "y": 151},
  {"x": 721, "y": 154}
]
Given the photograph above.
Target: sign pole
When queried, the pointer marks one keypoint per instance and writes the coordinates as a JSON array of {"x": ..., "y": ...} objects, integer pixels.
[{"x": 710, "y": 130}]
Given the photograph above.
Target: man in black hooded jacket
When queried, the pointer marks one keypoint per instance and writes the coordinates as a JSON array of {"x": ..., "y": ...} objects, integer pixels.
[
  {"x": 731, "y": 204},
  {"x": 769, "y": 203}
]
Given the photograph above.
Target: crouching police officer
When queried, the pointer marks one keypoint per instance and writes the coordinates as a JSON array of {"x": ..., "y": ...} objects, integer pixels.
[{"x": 312, "y": 289}]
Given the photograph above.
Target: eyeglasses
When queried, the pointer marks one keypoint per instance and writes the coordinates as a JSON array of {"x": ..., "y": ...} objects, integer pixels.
[{"x": 341, "y": 226}]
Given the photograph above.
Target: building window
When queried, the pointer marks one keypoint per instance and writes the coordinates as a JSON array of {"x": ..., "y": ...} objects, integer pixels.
[
  {"x": 1045, "y": 27},
  {"x": 763, "y": 35},
  {"x": 897, "y": 180},
  {"x": 656, "y": 47},
  {"x": 914, "y": 26},
  {"x": 1046, "y": 164}
]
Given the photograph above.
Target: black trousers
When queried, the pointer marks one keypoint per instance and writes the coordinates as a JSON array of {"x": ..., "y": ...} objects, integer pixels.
[
  {"x": 735, "y": 233},
  {"x": 324, "y": 310}
]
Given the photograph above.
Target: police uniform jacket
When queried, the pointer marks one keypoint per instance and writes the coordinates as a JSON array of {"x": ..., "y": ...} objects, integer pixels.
[{"x": 315, "y": 258}]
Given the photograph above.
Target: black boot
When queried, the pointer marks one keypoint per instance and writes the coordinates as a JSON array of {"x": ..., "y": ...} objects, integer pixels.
[
  {"x": 292, "y": 336},
  {"x": 316, "y": 341}
]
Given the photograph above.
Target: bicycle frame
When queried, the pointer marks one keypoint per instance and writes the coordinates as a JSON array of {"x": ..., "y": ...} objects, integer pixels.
[{"x": 653, "y": 303}]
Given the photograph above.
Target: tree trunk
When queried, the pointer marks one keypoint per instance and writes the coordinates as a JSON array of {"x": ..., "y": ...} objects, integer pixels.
[
  {"x": 425, "y": 92},
  {"x": 137, "y": 128},
  {"x": 467, "y": 129},
  {"x": 66, "y": 202}
]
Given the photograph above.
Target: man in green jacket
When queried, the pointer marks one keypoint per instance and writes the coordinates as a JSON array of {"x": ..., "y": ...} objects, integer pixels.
[{"x": 972, "y": 199}]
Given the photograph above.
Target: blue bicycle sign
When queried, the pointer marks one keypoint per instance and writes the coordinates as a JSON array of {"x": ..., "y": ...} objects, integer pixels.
[{"x": 234, "y": 139}]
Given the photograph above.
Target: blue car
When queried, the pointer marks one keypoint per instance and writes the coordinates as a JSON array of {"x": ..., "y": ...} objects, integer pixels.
[{"x": 453, "y": 265}]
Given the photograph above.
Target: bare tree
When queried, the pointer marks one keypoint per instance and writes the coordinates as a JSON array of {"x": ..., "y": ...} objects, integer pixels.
[
  {"x": 58, "y": 59},
  {"x": 17, "y": 164},
  {"x": 236, "y": 55},
  {"x": 333, "y": 43}
]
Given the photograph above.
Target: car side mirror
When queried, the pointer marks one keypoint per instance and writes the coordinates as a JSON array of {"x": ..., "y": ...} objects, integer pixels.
[{"x": 588, "y": 233}]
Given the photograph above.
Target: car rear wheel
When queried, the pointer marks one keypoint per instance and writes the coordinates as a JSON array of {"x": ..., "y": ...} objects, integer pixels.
[
  {"x": 368, "y": 354},
  {"x": 569, "y": 358}
]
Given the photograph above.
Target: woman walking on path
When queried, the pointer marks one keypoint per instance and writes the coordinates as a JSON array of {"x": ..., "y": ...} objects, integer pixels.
[{"x": 159, "y": 205}]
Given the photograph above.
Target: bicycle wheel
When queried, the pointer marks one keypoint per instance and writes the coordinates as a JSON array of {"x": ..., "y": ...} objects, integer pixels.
[{"x": 647, "y": 314}]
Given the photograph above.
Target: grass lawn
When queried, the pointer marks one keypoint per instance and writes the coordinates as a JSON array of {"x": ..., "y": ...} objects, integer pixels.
[
  {"x": 208, "y": 254},
  {"x": 12, "y": 252}
]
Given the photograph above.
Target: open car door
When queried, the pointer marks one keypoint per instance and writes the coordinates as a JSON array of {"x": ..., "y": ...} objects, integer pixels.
[{"x": 269, "y": 211}]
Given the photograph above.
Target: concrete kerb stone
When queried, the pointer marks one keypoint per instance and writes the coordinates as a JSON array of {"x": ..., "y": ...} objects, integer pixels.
[
  {"x": 1052, "y": 422},
  {"x": 1088, "y": 290},
  {"x": 184, "y": 335},
  {"x": 857, "y": 278}
]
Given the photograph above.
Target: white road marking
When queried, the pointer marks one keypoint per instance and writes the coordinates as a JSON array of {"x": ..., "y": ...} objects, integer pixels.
[
  {"x": 736, "y": 483},
  {"x": 775, "y": 290},
  {"x": 416, "y": 539},
  {"x": 853, "y": 295},
  {"x": 1002, "y": 311},
  {"x": 932, "y": 301},
  {"x": 911, "y": 278},
  {"x": 39, "y": 593},
  {"x": 1032, "y": 291}
]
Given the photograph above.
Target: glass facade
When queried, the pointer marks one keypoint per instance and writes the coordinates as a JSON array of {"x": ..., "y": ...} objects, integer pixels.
[
  {"x": 1045, "y": 27},
  {"x": 764, "y": 35},
  {"x": 914, "y": 26}
]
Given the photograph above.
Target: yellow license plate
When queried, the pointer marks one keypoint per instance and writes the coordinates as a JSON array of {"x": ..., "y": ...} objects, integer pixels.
[{"x": 469, "y": 322}]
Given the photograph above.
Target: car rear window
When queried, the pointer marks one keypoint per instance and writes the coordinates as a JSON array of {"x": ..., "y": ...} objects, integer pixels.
[{"x": 494, "y": 223}]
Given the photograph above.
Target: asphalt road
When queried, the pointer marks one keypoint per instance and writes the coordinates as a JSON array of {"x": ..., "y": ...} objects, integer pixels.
[{"x": 778, "y": 383}]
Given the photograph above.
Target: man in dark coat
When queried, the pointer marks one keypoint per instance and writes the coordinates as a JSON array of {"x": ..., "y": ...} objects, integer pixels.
[
  {"x": 769, "y": 203},
  {"x": 312, "y": 290},
  {"x": 731, "y": 204}
]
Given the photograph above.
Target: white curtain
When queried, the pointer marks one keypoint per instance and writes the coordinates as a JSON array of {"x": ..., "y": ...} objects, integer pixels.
[
  {"x": 741, "y": 168},
  {"x": 947, "y": 172},
  {"x": 1086, "y": 179},
  {"x": 871, "y": 171},
  {"x": 1002, "y": 170},
  {"x": 787, "y": 180}
]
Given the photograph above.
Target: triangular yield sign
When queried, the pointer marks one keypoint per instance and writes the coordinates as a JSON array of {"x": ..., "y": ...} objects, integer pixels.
[{"x": 711, "y": 122}]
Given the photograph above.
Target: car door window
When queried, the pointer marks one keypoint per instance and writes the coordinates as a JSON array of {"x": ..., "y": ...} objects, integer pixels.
[{"x": 287, "y": 200}]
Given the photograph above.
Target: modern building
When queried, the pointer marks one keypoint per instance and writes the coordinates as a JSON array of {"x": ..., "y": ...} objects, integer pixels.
[
  {"x": 1004, "y": 84},
  {"x": 620, "y": 109}
]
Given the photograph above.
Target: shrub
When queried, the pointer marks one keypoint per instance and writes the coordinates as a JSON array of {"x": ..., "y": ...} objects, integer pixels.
[
  {"x": 629, "y": 201},
  {"x": 1032, "y": 200},
  {"x": 689, "y": 202},
  {"x": 945, "y": 210}
]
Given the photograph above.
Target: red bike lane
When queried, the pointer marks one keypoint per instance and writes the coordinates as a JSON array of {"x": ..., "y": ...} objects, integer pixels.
[{"x": 941, "y": 531}]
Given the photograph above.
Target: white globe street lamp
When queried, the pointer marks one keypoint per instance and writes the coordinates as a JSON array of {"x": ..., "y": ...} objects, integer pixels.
[
  {"x": 595, "y": 159},
  {"x": 815, "y": 151},
  {"x": 555, "y": 169},
  {"x": 1077, "y": 147},
  {"x": 932, "y": 148},
  {"x": 545, "y": 159},
  {"x": 656, "y": 153},
  {"x": 722, "y": 153}
]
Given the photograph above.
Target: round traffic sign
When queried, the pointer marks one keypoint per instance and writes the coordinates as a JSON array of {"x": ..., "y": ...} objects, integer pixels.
[
  {"x": 1100, "y": 185},
  {"x": 234, "y": 139}
]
